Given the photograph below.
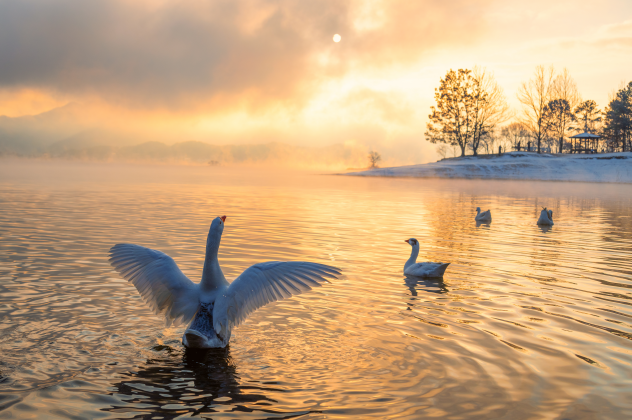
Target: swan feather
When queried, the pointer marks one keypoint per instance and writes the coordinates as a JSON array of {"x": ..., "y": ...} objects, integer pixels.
[
  {"x": 161, "y": 284},
  {"x": 263, "y": 283}
]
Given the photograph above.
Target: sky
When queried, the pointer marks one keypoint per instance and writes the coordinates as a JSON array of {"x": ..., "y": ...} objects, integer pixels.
[{"x": 256, "y": 71}]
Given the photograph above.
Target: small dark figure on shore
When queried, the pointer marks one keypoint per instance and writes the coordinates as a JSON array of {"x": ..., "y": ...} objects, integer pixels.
[
  {"x": 529, "y": 147},
  {"x": 519, "y": 146}
]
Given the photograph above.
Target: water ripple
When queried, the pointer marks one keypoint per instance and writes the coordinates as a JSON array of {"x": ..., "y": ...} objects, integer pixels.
[{"x": 527, "y": 322}]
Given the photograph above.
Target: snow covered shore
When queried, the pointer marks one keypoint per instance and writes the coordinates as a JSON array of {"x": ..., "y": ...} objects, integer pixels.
[{"x": 607, "y": 167}]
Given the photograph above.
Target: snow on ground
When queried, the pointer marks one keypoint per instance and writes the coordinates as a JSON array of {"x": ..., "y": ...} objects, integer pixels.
[{"x": 607, "y": 167}]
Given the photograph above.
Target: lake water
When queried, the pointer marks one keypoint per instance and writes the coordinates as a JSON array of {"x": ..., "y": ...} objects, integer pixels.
[{"x": 527, "y": 323}]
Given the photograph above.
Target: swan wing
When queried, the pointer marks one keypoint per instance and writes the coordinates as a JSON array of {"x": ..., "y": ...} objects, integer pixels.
[
  {"x": 264, "y": 283},
  {"x": 159, "y": 281}
]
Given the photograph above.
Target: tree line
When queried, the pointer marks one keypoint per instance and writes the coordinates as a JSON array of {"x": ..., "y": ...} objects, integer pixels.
[{"x": 471, "y": 114}]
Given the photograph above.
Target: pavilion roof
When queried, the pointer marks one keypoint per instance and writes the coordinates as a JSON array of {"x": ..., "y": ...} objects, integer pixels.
[{"x": 586, "y": 136}]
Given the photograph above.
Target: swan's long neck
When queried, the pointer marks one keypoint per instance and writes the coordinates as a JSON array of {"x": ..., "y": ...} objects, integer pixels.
[
  {"x": 211, "y": 272},
  {"x": 478, "y": 211},
  {"x": 413, "y": 256}
]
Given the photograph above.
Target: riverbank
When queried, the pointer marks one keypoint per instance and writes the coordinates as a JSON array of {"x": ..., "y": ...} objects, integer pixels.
[{"x": 607, "y": 167}]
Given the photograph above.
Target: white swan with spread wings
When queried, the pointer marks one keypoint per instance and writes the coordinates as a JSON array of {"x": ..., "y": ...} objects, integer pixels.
[{"x": 213, "y": 307}]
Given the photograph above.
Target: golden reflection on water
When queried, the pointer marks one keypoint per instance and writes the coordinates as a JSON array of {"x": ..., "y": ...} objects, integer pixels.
[{"x": 527, "y": 323}]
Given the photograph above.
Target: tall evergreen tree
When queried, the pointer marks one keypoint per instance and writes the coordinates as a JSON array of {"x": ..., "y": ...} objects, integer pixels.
[{"x": 618, "y": 120}]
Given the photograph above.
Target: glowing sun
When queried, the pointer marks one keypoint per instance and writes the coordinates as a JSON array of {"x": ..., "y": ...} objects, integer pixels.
[{"x": 337, "y": 38}]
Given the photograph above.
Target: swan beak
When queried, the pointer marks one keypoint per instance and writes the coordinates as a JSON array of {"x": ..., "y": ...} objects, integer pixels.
[
  {"x": 223, "y": 218},
  {"x": 406, "y": 240}
]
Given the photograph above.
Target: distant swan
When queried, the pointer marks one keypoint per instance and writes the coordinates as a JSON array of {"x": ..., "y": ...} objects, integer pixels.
[
  {"x": 424, "y": 269},
  {"x": 546, "y": 217},
  {"x": 213, "y": 306},
  {"x": 485, "y": 217}
]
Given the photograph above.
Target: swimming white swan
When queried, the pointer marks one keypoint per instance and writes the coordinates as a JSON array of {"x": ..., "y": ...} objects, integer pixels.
[
  {"x": 213, "y": 306},
  {"x": 485, "y": 217},
  {"x": 424, "y": 269},
  {"x": 546, "y": 217}
]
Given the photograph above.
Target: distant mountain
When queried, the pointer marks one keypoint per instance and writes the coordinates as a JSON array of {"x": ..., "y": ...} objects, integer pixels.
[
  {"x": 189, "y": 153},
  {"x": 64, "y": 133},
  {"x": 192, "y": 152},
  {"x": 195, "y": 152},
  {"x": 44, "y": 128}
]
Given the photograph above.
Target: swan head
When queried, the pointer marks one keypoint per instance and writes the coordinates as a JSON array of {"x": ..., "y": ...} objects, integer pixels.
[
  {"x": 217, "y": 228},
  {"x": 412, "y": 242},
  {"x": 478, "y": 209}
]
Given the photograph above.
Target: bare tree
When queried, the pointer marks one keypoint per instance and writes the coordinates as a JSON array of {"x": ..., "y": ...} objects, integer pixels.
[
  {"x": 565, "y": 97},
  {"x": 442, "y": 150},
  {"x": 564, "y": 87},
  {"x": 451, "y": 120},
  {"x": 505, "y": 141},
  {"x": 489, "y": 141},
  {"x": 455, "y": 150},
  {"x": 515, "y": 133},
  {"x": 534, "y": 96},
  {"x": 470, "y": 104},
  {"x": 374, "y": 159},
  {"x": 489, "y": 108}
]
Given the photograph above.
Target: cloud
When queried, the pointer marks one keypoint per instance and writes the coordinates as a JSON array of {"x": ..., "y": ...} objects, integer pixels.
[
  {"x": 215, "y": 55},
  {"x": 618, "y": 35},
  {"x": 370, "y": 106},
  {"x": 616, "y": 29}
]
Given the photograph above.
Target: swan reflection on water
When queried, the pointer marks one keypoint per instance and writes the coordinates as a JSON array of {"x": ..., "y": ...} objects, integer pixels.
[
  {"x": 545, "y": 228},
  {"x": 200, "y": 381},
  {"x": 485, "y": 225},
  {"x": 428, "y": 285}
]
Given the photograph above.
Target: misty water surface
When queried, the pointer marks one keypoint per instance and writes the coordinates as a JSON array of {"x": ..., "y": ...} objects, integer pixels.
[{"x": 528, "y": 322}]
